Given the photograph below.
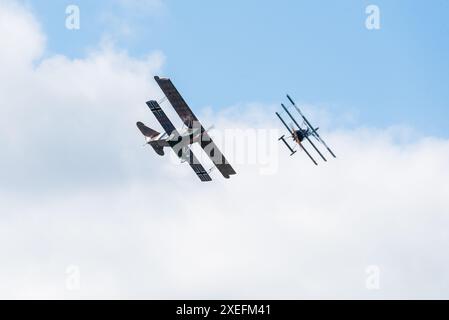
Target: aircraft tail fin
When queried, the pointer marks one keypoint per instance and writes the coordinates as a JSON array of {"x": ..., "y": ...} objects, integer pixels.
[{"x": 150, "y": 133}]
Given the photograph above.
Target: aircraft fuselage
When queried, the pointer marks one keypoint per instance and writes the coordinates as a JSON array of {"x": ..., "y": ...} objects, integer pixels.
[{"x": 186, "y": 137}]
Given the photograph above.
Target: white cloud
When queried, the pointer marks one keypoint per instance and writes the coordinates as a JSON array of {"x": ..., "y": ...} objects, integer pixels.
[
  {"x": 128, "y": 20},
  {"x": 77, "y": 189},
  {"x": 21, "y": 41}
]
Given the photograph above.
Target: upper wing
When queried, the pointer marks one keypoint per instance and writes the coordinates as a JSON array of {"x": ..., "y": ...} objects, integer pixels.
[
  {"x": 176, "y": 100},
  {"x": 184, "y": 153},
  {"x": 314, "y": 131},
  {"x": 215, "y": 155}
]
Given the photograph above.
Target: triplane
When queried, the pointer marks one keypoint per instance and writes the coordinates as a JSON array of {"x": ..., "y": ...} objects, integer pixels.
[{"x": 301, "y": 133}]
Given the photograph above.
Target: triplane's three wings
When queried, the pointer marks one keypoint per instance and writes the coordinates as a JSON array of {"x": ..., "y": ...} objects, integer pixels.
[
  {"x": 215, "y": 155},
  {"x": 191, "y": 121},
  {"x": 314, "y": 130},
  {"x": 184, "y": 153},
  {"x": 299, "y": 134}
]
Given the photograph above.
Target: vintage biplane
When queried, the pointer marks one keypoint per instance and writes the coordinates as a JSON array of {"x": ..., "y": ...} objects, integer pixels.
[
  {"x": 301, "y": 133},
  {"x": 180, "y": 140}
]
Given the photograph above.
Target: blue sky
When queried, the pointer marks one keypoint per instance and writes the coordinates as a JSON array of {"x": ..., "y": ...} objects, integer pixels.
[
  {"x": 79, "y": 189},
  {"x": 226, "y": 52}
]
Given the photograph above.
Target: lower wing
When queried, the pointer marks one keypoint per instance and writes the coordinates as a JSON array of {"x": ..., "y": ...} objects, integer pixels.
[{"x": 196, "y": 165}]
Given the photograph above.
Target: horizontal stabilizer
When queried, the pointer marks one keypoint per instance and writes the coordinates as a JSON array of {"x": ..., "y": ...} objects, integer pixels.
[{"x": 147, "y": 132}]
